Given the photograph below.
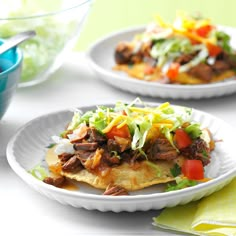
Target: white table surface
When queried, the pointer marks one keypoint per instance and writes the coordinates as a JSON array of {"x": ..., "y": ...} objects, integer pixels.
[{"x": 24, "y": 211}]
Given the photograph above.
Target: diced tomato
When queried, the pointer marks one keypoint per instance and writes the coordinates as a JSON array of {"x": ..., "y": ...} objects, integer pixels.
[
  {"x": 182, "y": 138},
  {"x": 173, "y": 71},
  {"x": 204, "y": 30},
  {"x": 123, "y": 113},
  {"x": 193, "y": 169},
  {"x": 122, "y": 132},
  {"x": 194, "y": 42},
  {"x": 149, "y": 70},
  {"x": 213, "y": 50}
]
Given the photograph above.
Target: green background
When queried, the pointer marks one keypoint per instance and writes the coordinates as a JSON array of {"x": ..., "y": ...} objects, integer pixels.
[{"x": 110, "y": 15}]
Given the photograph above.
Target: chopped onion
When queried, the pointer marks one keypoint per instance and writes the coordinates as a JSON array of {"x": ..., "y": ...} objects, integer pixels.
[
  {"x": 63, "y": 145},
  {"x": 166, "y": 66},
  {"x": 211, "y": 60}
]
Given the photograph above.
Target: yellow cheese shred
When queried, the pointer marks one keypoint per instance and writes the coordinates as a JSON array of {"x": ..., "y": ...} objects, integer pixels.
[
  {"x": 122, "y": 124},
  {"x": 113, "y": 123},
  {"x": 158, "y": 125}
]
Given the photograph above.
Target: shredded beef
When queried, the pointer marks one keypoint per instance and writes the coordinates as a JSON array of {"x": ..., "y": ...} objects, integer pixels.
[
  {"x": 64, "y": 157},
  {"x": 112, "y": 145},
  {"x": 86, "y": 146},
  {"x": 72, "y": 165},
  {"x": 220, "y": 66},
  {"x": 115, "y": 190},
  {"x": 161, "y": 149},
  {"x": 83, "y": 155},
  {"x": 119, "y": 144},
  {"x": 116, "y": 151},
  {"x": 95, "y": 136},
  {"x": 202, "y": 71},
  {"x": 124, "y": 54},
  {"x": 110, "y": 159},
  {"x": 197, "y": 150},
  {"x": 55, "y": 181},
  {"x": 231, "y": 59},
  {"x": 185, "y": 58},
  {"x": 146, "y": 49}
]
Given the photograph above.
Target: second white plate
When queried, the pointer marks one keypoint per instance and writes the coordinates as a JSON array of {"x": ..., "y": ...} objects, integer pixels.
[{"x": 101, "y": 59}]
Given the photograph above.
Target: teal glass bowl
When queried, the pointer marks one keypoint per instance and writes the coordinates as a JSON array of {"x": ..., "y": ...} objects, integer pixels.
[{"x": 10, "y": 72}]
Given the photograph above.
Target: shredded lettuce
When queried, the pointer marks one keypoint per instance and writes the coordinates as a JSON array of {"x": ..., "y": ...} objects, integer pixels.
[
  {"x": 96, "y": 118},
  {"x": 194, "y": 130},
  {"x": 167, "y": 49},
  {"x": 168, "y": 110},
  {"x": 171, "y": 41},
  {"x": 180, "y": 184},
  {"x": 40, "y": 52},
  {"x": 99, "y": 119},
  {"x": 141, "y": 120},
  {"x": 169, "y": 135},
  {"x": 75, "y": 121},
  {"x": 86, "y": 117},
  {"x": 223, "y": 40},
  {"x": 141, "y": 129},
  {"x": 200, "y": 57}
]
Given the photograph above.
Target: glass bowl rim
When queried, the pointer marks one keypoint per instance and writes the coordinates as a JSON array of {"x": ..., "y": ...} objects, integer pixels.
[{"x": 50, "y": 13}]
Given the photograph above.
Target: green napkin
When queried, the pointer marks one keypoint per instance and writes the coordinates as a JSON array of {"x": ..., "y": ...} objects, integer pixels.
[{"x": 213, "y": 215}]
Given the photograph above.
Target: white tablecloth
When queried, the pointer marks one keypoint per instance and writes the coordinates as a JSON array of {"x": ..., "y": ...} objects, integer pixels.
[{"x": 24, "y": 211}]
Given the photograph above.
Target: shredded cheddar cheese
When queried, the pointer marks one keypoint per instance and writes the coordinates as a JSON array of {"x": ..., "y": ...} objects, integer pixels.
[
  {"x": 159, "y": 125},
  {"x": 122, "y": 124},
  {"x": 113, "y": 123}
]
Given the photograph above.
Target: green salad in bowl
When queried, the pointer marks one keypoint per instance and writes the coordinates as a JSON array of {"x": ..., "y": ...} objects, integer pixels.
[{"x": 57, "y": 24}]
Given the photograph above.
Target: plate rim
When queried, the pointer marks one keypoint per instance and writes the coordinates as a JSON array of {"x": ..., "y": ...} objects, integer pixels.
[{"x": 23, "y": 173}]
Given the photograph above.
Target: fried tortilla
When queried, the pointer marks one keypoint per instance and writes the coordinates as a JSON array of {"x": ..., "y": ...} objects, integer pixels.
[
  {"x": 137, "y": 71},
  {"x": 138, "y": 176}
]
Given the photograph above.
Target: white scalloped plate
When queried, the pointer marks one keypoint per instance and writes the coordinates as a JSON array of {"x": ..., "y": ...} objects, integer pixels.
[
  {"x": 28, "y": 148},
  {"x": 101, "y": 59}
]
